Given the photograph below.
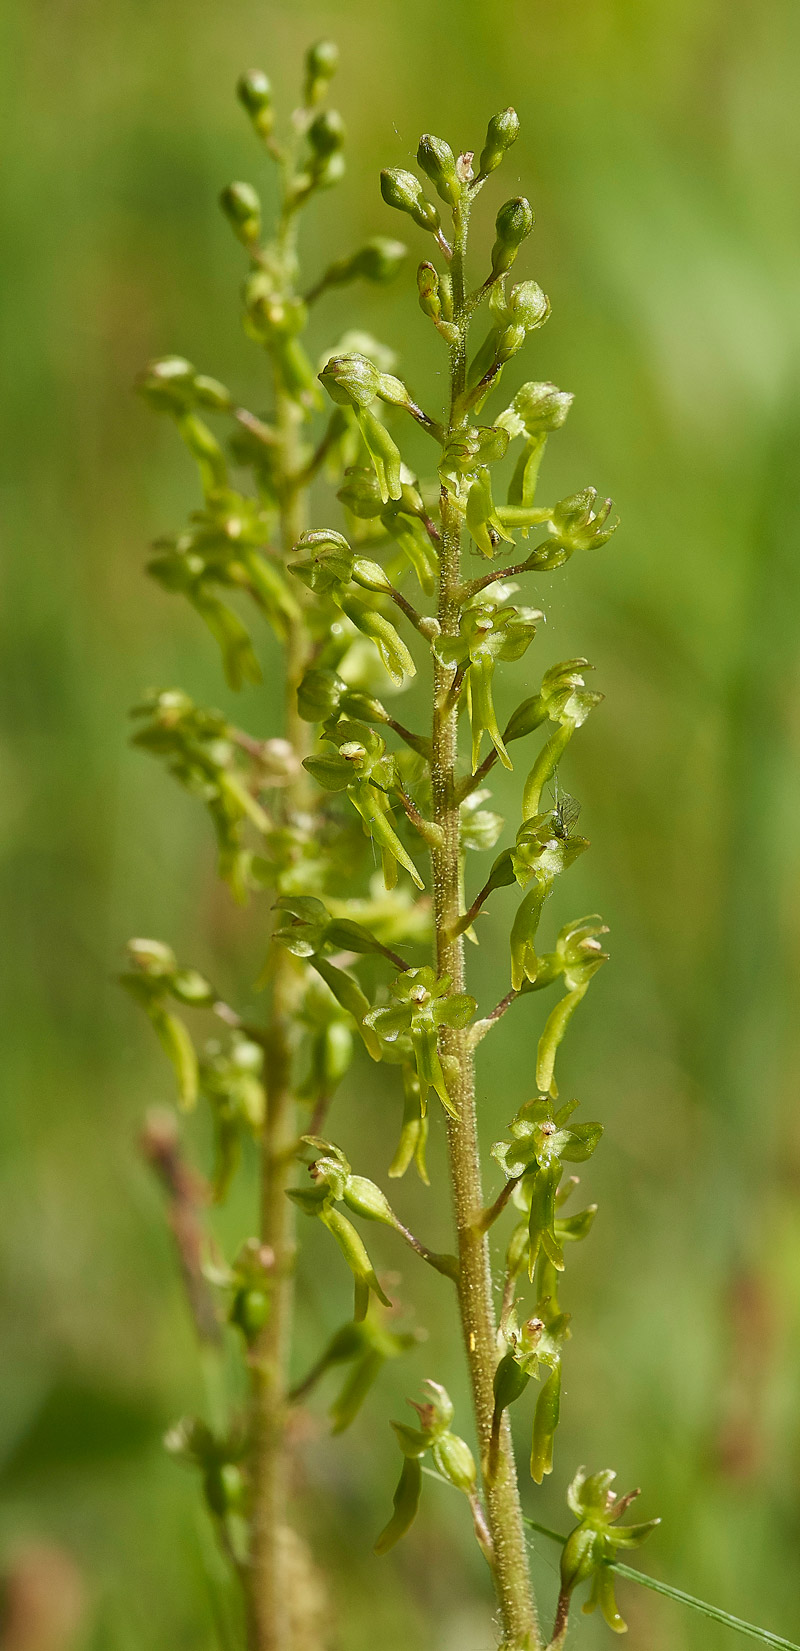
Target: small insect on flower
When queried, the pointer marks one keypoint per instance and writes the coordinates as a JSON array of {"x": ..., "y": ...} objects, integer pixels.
[{"x": 566, "y": 811}]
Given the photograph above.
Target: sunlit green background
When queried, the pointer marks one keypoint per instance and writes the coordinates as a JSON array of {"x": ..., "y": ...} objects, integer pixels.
[{"x": 660, "y": 149}]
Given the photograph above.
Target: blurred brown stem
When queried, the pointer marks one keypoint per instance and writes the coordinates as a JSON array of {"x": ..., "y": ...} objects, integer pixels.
[
  {"x": 186, "y": 1194},
  {"x": 268, "y": 1583}
]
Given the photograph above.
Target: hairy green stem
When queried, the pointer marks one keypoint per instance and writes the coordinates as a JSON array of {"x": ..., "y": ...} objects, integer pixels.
[{"x": 503, "y": 1511}]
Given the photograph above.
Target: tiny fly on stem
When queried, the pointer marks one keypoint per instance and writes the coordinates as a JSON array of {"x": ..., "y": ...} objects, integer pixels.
[{"x": 566, "y": 811}]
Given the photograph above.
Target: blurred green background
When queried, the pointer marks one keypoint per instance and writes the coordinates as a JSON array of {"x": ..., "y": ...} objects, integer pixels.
[{"x": 660, "y": 150}]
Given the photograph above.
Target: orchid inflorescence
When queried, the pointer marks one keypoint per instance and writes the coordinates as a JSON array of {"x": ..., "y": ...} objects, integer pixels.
[{"x": 362, "y": 830}]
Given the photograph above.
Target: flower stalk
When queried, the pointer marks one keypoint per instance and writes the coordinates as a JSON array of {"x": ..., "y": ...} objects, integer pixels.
[
  {"x": 363, "y": 849},
  {"x": 503, "y": 1509}
]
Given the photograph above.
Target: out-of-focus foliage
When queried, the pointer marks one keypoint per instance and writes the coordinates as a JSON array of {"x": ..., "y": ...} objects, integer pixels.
[{"x": 659, "y": 148}]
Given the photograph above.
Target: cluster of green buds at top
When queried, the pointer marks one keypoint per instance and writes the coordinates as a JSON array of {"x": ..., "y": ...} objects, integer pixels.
[{"x": 355, "y": 791}]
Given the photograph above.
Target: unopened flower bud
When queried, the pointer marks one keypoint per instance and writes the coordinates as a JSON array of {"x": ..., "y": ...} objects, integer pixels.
[
  {"x": 439, "y": 1409},
  {"x": 513, "y": 223},
  {"x": 428, "y": 284},
  {"x": 351, "y": 380},
  {"x": 370, "y": 575},
  {"x": 455, "y": 1461},
  {"x": 365, "y": 1199},
  {"x": 577, "y": 1557},
  {"x": 242, "y": 208},
  {"x": 509, "y": 343},
  {"x": 224, "y": 1488},
  {"x": 152, "y": 957},
  {"x": 379, "y": 259},
  {"x": 542, "y": 407},
  {"x": 210, "y": 393},
  {"x": 255, "y": 95},
  {"x": 528, "y": 716},
  {"x": 361, "y": 494},
  {"x": 510, "y": 1380},
  {"x": 168, "y": 383},
  {"x": 190, "y": 987},
  {"x": 326, "y": 134},
  {"x": 403, "y": 191},
  {"x": 250, "y": 1311},
  {"x": 329, "y": 170},
  {"x": 502, "y": 131},
  {"x": 437, "y": 159},
  {"x": 322, "y": 61},
  {"x": 528, "y": 305},
  {"x": 318, "y": 695}
]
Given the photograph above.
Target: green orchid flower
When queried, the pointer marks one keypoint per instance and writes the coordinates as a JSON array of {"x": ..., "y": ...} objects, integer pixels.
[
  {"x": 331, "y": 1177},
  {"x": 422, "y": 1003},
  {"x": 330, "y": 569},
  {"x": 334, "y": 1183},
  {"x": 488, "y": 633},
  {"x": 451, "y": 1457},
  {"x": 533, "y": 1349},
  {"x": 541, "y": 852},
  {"x": 577, "y": 958},
  {"x": 593, "y": 1546},
  {"x": 366, "y": 1347},
  {"x": 355, "y": 382},
  {"x": 362, "y": 768},
  {"x": 542, "y": 1139},
  {"x": 308, "y": 931},
  {"x": 567, "y": 1229}
]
